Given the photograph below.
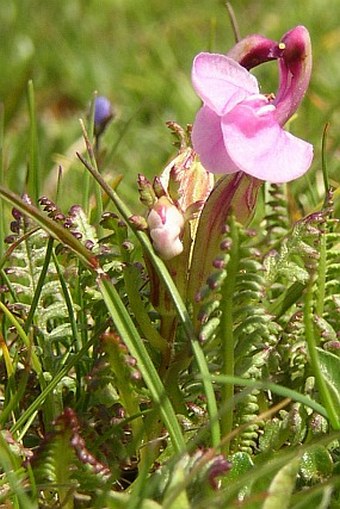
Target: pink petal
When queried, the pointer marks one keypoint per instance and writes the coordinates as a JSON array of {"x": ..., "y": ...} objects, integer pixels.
[
  {"x": 221, "y": 82},
  {"x": 261, "y": 148},
  {"x": 207, "y": 140}
]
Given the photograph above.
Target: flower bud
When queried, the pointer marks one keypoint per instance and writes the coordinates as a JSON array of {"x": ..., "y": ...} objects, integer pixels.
[
  {"x": 186, "y": 180},
  {"x": 165, "y": 224},
  {"x": 103, "y": 113}
]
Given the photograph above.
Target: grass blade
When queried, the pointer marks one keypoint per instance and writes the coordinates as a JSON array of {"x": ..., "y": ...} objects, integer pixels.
[
  {"x": 33, "y": 184},
  {"x": 280, "y": 390}
]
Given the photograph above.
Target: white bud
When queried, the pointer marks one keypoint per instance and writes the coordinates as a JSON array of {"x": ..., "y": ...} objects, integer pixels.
[{"x": 166, "y": 223}]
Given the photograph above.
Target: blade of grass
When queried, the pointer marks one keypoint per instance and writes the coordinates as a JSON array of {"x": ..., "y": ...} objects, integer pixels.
[
  {"x": 123, "y": 132},
  {"x": 98, "y": 210},
  {"x": 233, "y": 22},
  {"x": 33, "y": 184},
  {"x": 275, "y": 388},
  {"x": 40, "y": 284},
  {"x": 69, "y": 303}
]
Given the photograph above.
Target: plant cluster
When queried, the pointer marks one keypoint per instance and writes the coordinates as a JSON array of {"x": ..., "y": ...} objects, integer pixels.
[{"x": 187, "y": 357}]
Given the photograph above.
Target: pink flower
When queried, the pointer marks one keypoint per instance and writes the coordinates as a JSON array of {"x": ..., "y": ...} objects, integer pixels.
[
  {"x": 165, "y": 224},
  {"x": 240, "y": 129}
]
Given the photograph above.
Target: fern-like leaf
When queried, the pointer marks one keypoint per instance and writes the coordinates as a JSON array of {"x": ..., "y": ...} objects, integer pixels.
[{"x": 24, "y": 267}]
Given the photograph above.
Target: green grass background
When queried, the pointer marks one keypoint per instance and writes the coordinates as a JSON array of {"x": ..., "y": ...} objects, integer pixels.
[{"x": 139, "y": 54}]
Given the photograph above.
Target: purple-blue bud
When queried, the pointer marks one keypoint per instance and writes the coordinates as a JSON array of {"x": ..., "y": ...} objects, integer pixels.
[{"x": 103, "y": 113}]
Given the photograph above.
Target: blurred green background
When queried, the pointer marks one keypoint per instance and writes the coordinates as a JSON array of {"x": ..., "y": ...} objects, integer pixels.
[{"x": 139, "y": 54}]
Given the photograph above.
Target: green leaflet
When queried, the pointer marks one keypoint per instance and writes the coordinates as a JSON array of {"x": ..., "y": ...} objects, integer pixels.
[
  {"x": 33, "y": 276},
  {"x": 330, "y": 368},
  {"x": 178, "y": 477},
  {"x": 281, "y": 487}
]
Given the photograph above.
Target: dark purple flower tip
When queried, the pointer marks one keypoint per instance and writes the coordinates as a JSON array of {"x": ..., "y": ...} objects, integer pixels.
[
  {"x": 103, "y": 113},
  {"x": 255, "y": 50},
  {"x": 295, "y": 69}
]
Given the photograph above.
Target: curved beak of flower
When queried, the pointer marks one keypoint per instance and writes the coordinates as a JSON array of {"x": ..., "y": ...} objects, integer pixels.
[
  {"x": 254, "y": 50},
  {"x": 295, "y": 67}
]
